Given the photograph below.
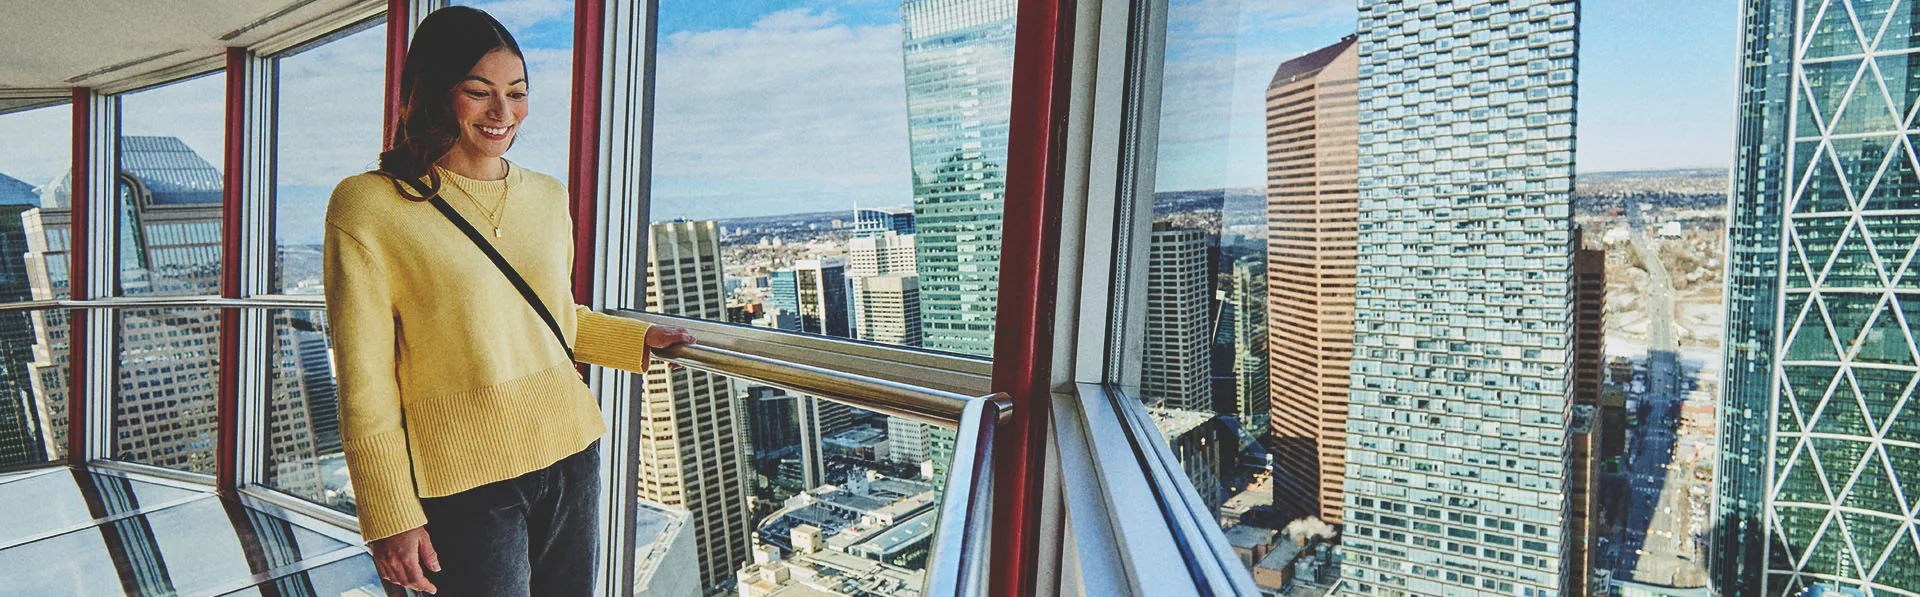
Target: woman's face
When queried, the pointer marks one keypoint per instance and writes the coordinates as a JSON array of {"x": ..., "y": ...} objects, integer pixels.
[{"x": 490, "y": 104}]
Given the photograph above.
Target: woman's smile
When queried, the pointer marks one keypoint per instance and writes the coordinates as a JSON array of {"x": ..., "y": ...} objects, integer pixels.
[{"x": 494, "y": 133}]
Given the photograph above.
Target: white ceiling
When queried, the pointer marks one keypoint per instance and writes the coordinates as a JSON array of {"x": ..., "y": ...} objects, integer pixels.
[{"x": 115, "y": 45}]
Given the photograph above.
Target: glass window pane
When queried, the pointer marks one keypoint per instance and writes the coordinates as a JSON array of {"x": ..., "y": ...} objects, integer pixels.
[
  {"x": 35, "y": 151},
  {"x": 1252, "y": 185},
  {"x": 304, "y": 457},
  {"x": 852, "y": 160},
  {"x": 165, "y": 406},
  {"x": 171, "y": 149},
  {"x": 836, "y": 173},
  {"x": 545, "y": 33},
  {"x": 833, "y": 490},
  {"x": 330, "y": 102}
]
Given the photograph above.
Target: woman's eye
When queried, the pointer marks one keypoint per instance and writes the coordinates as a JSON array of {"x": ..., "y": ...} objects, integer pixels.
[
  {"x": 476, "y": 94},
  {"x": 518, "y": 95}
]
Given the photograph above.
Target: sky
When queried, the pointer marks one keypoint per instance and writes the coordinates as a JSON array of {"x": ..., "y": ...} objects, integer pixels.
[{"x": 766, "y": 107}]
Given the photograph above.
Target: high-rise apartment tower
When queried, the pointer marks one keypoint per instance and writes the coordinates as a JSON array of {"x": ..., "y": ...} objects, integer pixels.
[
  {"x": 1176, "y": 373},
  {"x": 1459, "y": 412}
]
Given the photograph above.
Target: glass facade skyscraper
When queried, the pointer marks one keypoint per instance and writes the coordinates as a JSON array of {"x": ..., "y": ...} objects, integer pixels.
[
  {"x": 959, "y": 70},
  {"x": 1457, "y": 428},
  {"x": 1822, "y": 459}
]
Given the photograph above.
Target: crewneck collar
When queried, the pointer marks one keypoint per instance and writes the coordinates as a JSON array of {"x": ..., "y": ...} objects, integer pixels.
[{"x": 513, "y": 176}]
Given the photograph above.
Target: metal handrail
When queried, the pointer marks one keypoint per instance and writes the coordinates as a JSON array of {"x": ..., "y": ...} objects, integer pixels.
[
  {"x": 170, "y": 302},
  {"x": 936, "y": 407},
  {"x": 886, "y": 397},
  {"x": 959, "y": 554},
  {"x": 962, "y": 542}
]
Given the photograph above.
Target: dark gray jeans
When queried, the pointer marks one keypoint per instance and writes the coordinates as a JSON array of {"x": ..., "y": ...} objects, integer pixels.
[{"x": 533, "y": 534}]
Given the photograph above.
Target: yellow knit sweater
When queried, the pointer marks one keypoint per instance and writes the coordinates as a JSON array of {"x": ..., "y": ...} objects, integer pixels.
[{"x": 447, "y": 378}]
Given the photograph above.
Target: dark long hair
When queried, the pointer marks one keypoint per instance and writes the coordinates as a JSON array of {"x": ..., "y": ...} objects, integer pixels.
[{"x": 444, "y": 49}]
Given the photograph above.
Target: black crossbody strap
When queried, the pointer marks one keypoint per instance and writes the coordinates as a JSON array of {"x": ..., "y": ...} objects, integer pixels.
[{"x": 500, "y": 261}]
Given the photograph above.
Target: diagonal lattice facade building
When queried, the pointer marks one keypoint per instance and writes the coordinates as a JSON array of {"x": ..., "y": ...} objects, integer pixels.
[{"x": 1833, "y": 504}]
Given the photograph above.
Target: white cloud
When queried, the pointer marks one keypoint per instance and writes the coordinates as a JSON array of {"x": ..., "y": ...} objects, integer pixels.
[
  {"x": 332, "y": 101},
  {"x": 541, "y": 143},
  {"x": 796, "y": 113}
]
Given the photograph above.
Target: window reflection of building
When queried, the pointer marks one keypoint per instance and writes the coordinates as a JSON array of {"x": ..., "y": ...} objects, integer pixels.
[
  {"x": 23, "y": 440},
  {"x": 1312, "y": 143},
  {"x": 1176, "y": 366},
  {"x": 169, "y": 245}
]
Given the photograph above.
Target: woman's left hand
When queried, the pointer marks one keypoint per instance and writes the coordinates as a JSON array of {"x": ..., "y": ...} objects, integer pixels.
[{"x": 663, "y": 336}]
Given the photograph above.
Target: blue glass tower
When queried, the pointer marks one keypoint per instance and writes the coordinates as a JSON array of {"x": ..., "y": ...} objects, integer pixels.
[
  {"x": 1820, "y": 475},
  {"x": 959, "y": 70}
]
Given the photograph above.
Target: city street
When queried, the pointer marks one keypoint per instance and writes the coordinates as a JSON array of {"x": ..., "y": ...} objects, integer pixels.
[{"x": 1656, "y": 542}]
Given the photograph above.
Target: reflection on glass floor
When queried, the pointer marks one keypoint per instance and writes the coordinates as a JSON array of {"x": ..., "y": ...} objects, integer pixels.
[{"x": 88, "y": 531}]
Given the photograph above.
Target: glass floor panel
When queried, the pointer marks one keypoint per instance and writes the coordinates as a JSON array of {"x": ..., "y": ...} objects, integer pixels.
[
  {"x": 64, "y": 498},
  {"x": 110, "y": 533}
]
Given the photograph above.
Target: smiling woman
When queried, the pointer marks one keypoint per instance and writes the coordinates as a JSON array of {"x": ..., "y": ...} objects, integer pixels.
[
  {"x": 545, "y": 32},
  {"x": 471, "y": 440}
]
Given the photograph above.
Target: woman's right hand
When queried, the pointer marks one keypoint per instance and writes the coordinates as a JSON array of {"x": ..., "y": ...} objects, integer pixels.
[
  {"x": 400, "y": 557},
  {"x": 664, "y": 336}
]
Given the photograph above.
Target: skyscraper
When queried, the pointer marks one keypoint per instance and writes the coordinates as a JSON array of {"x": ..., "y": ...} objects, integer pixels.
[
  {"x": 169, "y": 244},
  {"x": 688, "y": 443},
  {"x": 886, "y": 289},
  {"x": 1247, "y": 298},
  {"x": 1821, "y": 466},
  {"x": 1742, "y": 534},
  {"x": 1312, "y": 143},
  {"x": 959, "y": 71},
  {"x": 869, "y": 221},
  {"x": 816, "y": 289},
  {"x": 1457, "y": 431},
  {"x": 884, "y": 252},
  {"x": 888, "y": 309},
  {"x": 1584, "y": 430},
  {"x": 1176, "y": 373}
]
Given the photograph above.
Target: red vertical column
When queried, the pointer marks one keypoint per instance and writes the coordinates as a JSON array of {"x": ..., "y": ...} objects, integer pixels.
[
  {"x": 227, "y": 446},
  {"x": 398, "y": 27},
  {"x": 79, "y": 255},
  {"x": 583, "y": 150},
  {"x": 1029, "y": 271}
]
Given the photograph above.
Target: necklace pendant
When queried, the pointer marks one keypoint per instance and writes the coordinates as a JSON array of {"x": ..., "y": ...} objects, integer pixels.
[{"x": 496, "y": 232}]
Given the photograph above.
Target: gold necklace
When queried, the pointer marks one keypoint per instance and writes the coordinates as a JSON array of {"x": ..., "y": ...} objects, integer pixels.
[{"x": 493, "y": 216}]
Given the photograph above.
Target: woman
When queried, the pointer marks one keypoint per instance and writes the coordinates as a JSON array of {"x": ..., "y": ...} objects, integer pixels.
[{"x": 471, "y": 439}]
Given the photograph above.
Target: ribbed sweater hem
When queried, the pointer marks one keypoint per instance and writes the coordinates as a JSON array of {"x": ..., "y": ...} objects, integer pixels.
[{"x": 459, "y": 443}]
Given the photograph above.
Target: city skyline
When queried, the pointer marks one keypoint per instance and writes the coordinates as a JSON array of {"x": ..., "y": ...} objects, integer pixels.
[{"x": 855, "y": 149}]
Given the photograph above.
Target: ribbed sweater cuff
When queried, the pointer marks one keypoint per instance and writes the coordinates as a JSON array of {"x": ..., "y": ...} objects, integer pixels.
[
  {"x": 383, "y": 485},
  {"x": 610, "y": 341}
]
